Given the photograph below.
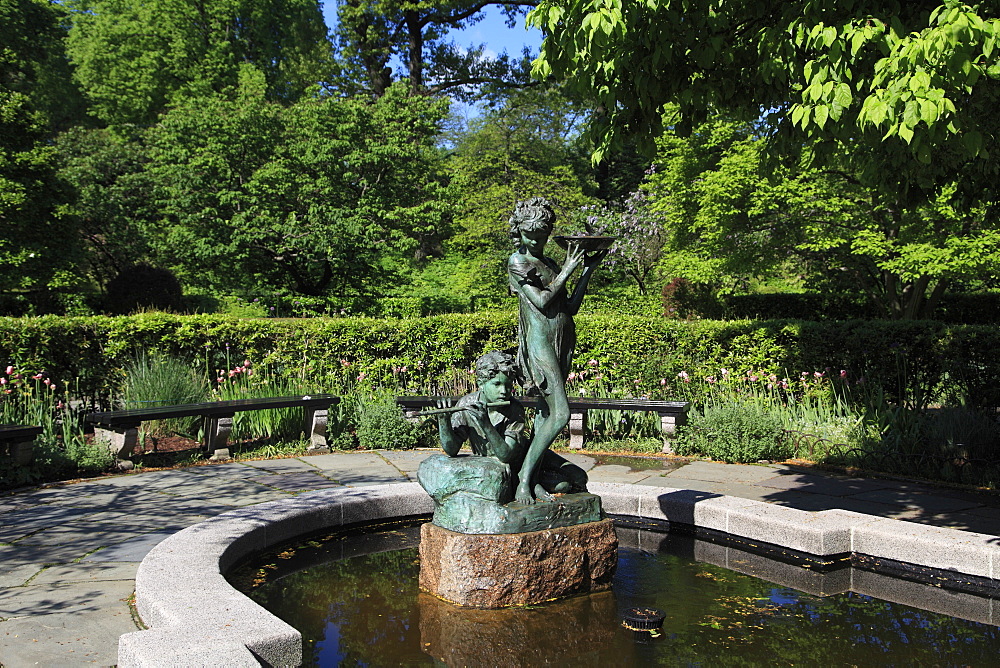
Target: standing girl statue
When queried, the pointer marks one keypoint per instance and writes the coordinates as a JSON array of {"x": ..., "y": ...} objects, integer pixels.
[{"x": 546, "y": 333}]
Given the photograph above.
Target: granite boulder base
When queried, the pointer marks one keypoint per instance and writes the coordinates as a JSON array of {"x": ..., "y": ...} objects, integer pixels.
[{"x": 502, "y": 570}]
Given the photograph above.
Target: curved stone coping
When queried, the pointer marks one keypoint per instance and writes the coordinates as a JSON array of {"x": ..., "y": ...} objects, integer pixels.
[{"x": 196, "y": 618}]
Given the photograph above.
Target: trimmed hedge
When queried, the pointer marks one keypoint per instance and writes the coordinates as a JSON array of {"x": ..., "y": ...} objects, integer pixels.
[
  {"x": 971, "y": 309},
  {"x": 914, "y": 360}
]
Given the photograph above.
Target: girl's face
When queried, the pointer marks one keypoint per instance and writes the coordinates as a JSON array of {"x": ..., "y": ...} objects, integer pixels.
[{"x": 534, "y": 240}]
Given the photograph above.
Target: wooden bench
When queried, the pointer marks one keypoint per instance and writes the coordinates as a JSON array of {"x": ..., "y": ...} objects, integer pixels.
[
  {"x": 120, "y": 429},
  {"x": 18, "y": 441},
  {"x": 671, "y": 413}
]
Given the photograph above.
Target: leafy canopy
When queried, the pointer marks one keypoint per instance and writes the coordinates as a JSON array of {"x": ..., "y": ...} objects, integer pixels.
[
  {"x": 312, "y": 197},
  {"x": 906, "y": 90},
  {"x": 133, "y": 59}
]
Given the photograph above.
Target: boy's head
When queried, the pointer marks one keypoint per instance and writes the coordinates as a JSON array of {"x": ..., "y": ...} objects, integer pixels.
[{"x": 495, "y": 373}]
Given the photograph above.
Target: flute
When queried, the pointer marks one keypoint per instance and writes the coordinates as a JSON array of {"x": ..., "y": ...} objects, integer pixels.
[{"x": 455, "y": 409}]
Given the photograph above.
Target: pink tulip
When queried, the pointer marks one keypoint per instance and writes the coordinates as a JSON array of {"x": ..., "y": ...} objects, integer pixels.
[
  {"x": 10, "y": 370},
  {"x": 592, "y": 362}
]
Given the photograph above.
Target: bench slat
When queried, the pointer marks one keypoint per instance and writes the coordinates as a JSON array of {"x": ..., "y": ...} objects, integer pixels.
[
  {"x": 210, "y": 409},
  {"x": 577, "y": 403},
  {"x": 15, "y": 431}
]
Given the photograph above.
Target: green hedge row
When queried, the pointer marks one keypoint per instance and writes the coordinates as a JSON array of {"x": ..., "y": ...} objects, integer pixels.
[
  {"x": 980, "y": 309},
  {"x": 642, "y": 355}
]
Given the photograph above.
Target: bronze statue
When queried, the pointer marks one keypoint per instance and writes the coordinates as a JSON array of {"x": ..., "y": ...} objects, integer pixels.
[
  {"x": 492, "y": 421},
  {"x": 546, "y": 333}
]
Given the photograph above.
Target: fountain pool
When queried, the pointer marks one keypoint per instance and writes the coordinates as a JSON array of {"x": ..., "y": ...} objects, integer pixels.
[
  {"x": 193, "y": 614},
  {"x": 353, "y": 596}
]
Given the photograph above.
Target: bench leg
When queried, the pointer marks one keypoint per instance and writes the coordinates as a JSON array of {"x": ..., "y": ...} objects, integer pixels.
[
  {"x": 577, "y": 427},
  {"x": 668, "y": 428},
  {"x": 316, "y": 419},
  {"x": 121, "y": 442},
  {"x": 22, "y": 453},
  {"x": 217, "y": 431}
]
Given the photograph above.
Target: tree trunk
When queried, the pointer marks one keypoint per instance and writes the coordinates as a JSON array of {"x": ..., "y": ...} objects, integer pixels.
[{"x": 415, "y": 51}]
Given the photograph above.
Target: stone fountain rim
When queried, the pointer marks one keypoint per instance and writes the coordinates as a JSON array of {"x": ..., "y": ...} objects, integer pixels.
[{"x": 195, "y": 617}]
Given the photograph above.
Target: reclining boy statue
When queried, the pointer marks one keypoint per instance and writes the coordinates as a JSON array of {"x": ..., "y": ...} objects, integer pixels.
[{"x": 470, "y": 492}]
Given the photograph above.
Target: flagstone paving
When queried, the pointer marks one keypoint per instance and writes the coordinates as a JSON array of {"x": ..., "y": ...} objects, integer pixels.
[{"x": 69, "y": 552}]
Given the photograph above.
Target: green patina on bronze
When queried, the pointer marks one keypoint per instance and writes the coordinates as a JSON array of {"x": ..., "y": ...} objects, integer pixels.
[{"x": 496, "y": 490}]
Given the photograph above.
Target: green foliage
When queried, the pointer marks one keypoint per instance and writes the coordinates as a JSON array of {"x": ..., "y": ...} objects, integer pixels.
[
  {"x": 733, "y": 217},
  {"x": 61, "y": 449},
  {"x": 523, "y": 148},
  {"x": 114, "y": 204},
  {"x": 142, "y": 286},
  {"x": 163, "y": 380},
  {"x": 312, "y": 198},
  {"x": 133, "y": 60},
  {"x": 38, "y": 246},
  {"x": 243, "y": 381},
  {"x": 736, "y": 433},
  {"x": 371, "y": 34},
  {"x": 916, "y": 362},
  {"x": 381, "y": 426},
  {"x": 897, "y": 98},
  {"x": 899, "y": 80}
]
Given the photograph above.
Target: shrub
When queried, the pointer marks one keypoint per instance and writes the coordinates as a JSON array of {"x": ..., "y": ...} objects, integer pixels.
[
  {"x": 61, "y": 449},
  {"x": 143, "y": 286},
  {"x": 736, "y": 433},
  {"x": 916, "y": 362},
  {"x": 244, "y": 382},
  {"x": 163, "y": 380},
  {"x": 381, "y": 425}
]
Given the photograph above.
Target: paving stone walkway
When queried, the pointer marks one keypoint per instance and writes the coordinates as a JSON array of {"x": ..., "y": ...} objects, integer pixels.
[{"x": 69, "y": 553}]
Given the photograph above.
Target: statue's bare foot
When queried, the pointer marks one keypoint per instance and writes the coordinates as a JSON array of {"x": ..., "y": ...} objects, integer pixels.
[
  {"x": 543, "y": 495},
  {"x": 524, "y": 495}
]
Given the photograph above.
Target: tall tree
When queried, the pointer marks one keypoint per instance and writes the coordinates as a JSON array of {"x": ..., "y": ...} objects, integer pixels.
[
  {"x": 315, "y": 197},
  {"x": 900, "y": 96},
  {"x": 372, "y": 34},
  {"x": 38, "y": 249},
  {"x": 135, "y": 58},
  {"x": 114, "y": 203},
  {"x": 526, "y": 147}
]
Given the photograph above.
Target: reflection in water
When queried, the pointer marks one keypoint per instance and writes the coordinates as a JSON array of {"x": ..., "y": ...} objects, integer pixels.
[
  {"x": 360, "y": 609},
  {"x": 576, "y": 631}
]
